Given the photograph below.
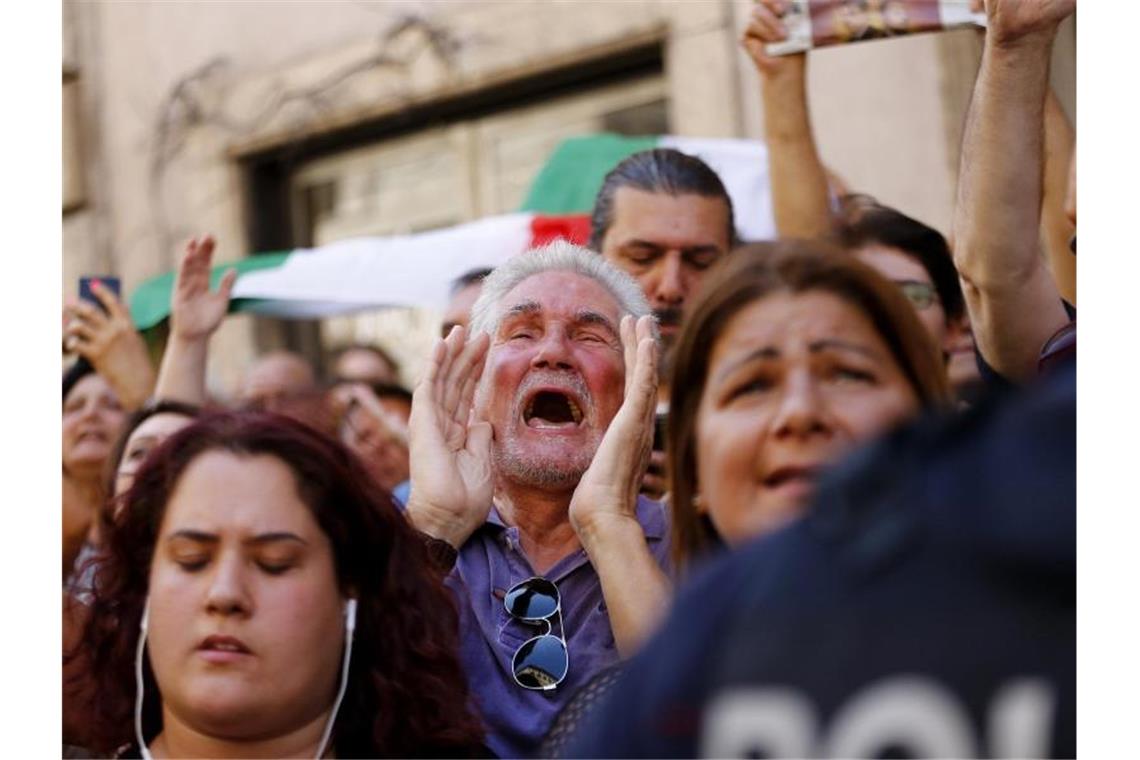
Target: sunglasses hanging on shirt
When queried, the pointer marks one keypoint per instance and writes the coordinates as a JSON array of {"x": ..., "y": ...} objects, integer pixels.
[{"x": 542, "y": 662}]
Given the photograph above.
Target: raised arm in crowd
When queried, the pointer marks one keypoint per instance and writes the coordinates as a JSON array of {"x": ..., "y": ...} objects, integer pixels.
[
  {"x": 1014, "y": 302},
  {"x": 196, "y": 312}
]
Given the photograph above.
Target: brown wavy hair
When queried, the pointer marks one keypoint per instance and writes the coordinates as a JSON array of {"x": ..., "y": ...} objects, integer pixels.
[
  {"x": 750, "y": 274},
  {"x": 407, "y": 695}
]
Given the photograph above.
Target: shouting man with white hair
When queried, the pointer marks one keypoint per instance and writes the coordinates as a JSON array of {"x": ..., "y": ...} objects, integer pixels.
[{"x": 529, "y": 437}]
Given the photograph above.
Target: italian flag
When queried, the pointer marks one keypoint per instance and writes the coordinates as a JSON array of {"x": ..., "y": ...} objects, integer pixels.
[{"x": 417, "y": 270}]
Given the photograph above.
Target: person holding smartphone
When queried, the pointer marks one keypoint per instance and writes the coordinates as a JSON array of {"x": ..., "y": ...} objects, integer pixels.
[
  {"x": 98, "y": 328},
  {"x": 112, "y": 375}
]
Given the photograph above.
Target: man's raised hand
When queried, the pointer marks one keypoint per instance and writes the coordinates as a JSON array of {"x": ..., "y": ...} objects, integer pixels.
[
  {"x": 609, "y": 487},
  {"x": 603, "y": 510},
  {"x": 450, "y": 452}
]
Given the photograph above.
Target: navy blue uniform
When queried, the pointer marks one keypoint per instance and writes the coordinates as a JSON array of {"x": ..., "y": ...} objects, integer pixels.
[{"x": 925, "y": 606}]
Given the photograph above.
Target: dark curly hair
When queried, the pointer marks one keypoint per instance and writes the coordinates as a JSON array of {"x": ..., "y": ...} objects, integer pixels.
[{"x": 407, "y": 694}]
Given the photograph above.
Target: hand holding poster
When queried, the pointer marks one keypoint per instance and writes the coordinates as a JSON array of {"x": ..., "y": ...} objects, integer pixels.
[{"x": 820, "y": 23}]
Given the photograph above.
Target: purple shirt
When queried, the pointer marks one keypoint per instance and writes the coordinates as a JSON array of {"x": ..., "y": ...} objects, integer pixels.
[{"x": 491, "y": 562}]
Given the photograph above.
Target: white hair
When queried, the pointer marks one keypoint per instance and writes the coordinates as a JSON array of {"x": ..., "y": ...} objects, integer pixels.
[{"x": 558, "y": 256}]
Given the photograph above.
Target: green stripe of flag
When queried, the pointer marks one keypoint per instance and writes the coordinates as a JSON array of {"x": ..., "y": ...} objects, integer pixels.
[
  {"x": 150, "y": 303},
  {"x": 573, "y": 175}
]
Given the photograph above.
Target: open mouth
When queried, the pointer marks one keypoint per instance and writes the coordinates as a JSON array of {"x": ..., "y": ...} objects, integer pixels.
[
  {"x": 549, "y": 408},
  {"x": 791, "y": 475},
  {"x": 668, "y": 317}
]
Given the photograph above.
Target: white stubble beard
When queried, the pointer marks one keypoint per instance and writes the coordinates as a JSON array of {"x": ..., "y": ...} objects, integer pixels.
[{"x": 517, "y": 462}]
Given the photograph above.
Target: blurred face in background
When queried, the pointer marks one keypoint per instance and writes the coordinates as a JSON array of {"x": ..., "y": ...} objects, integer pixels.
[
  {"x": 909, "y": 274},
  {"x": 362, "y": 365},
  {"x": 92, "y": 417},
  {"x": 275, "y": 378},
  {"x": 376, "y": 430},
  {"x": 962, "y": 366},
  {"x": 794, "y": 382},
  {"x": 458, "y": 310},
  {"x": 143, "y": 439},
  {"x": 953, "y": 338}
]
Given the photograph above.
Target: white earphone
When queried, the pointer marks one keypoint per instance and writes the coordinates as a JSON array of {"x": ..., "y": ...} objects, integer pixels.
[
  {"x": 350, "y": 614},
  {"x": 139, "y": 680},
  {"x": 349, "y": 627}
]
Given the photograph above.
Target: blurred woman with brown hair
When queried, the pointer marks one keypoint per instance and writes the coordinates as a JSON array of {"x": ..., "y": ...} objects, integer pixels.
[{"x": 793, "y": 354}]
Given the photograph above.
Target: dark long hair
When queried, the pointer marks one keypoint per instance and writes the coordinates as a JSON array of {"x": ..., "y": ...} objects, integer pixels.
[
  {"x": 750, "y": 274},
  {"x": 406, "y": 696}
]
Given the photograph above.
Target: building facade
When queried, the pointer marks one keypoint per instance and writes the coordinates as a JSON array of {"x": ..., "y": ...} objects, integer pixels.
[{"x": 275, "y": 125}]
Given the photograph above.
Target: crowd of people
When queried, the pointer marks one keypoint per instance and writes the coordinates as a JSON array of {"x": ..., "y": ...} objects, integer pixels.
[{"x": 668, "y": 494}]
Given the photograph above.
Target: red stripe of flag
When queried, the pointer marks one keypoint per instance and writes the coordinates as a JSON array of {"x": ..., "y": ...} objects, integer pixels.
[{"x": 574, "y": 228}]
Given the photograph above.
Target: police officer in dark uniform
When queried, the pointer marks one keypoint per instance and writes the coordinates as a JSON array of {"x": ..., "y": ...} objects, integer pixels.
[{"x": 925, "y": 606}]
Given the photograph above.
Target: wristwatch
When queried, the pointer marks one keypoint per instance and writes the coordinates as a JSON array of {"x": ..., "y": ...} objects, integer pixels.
[{"x": 441, "y": 553}]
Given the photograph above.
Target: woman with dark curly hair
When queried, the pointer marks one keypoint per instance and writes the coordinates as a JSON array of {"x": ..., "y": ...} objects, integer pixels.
[{"x": 262, "y": 597}]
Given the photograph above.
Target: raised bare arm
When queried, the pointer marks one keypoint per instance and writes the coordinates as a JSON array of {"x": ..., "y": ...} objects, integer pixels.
[
  {"x": 800, "y": 200},
  {"x": 195, "y": 314},
  {"x": 603, "y": 510},
  {"x": 1057, "y": 229},
  {"x": 1013, "y": 301}
]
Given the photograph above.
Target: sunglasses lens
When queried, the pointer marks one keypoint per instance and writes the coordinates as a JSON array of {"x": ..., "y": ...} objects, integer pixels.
[
  {"x": 533, "y": 599},
  {"x": 541, "y": 663}
]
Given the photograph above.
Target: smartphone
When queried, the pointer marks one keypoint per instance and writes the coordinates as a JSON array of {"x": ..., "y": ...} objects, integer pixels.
[{"x": 110, "y": 283}]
